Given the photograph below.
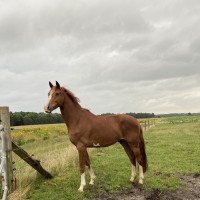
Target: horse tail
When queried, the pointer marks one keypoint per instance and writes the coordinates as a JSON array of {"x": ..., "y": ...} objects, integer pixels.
[{"x": 143, "y": 151}]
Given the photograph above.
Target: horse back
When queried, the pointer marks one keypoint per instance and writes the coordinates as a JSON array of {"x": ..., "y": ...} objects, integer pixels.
[{"x": 121, "y": 124}]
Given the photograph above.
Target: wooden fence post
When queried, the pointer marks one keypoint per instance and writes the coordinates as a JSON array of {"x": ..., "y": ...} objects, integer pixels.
[
  {"x": 145, "y": 125},
  {"x": 148, "y": 123},
  {"x": 5, "y": 121}
]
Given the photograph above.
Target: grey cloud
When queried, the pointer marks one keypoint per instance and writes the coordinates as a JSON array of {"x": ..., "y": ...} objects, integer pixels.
[
  {"x": 26, "y": 25},
  {"x": 195, "y": 45}
]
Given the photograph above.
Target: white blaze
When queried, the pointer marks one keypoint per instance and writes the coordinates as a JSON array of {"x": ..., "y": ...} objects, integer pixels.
[{"x": 48, "y": 100}]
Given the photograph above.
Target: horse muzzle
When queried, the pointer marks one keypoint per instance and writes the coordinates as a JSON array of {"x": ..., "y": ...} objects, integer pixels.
[
  {"x": 47, "y": 111},
  {"x": 49, "y": 108}
]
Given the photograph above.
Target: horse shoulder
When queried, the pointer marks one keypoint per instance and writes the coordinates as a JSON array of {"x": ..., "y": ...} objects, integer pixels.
[
  {"x": 74, "y": 136},
  {"x": 78, "y": 134}
]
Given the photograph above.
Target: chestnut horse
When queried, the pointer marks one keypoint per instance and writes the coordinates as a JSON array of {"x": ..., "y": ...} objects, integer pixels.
[{"x": 88, "y": 130}]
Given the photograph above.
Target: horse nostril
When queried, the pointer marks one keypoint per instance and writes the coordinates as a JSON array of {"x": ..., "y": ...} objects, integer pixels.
[{"x": 48, "y": 107}]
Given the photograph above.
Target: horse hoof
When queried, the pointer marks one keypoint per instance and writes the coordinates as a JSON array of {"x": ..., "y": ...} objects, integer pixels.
[
  {"x": 91, "y": 182},
  {"x": 141, "y": 181},
  {"x": 132, "y": 179},
  {"x": 80, "y": 189}
]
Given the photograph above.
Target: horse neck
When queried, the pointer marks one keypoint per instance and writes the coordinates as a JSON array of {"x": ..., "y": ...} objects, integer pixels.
[{"x": 71, "y": 112}]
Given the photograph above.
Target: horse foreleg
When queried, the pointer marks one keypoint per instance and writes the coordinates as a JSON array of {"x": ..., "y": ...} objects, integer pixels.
[
  {"x": 82, "y": 163},
  {"x": 133, "y": 173},
  {"x": 92, "y": 175}
]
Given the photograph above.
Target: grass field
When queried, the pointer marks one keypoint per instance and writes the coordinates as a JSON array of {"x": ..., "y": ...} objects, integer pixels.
[{"x": 173, "y": 149}]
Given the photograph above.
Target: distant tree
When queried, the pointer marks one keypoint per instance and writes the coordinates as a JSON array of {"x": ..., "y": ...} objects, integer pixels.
[
  {"x": 16, "y": 119},
  {"x": 141, "y": 115},
  {"x": 136, "y": 115},
  {"x": 27, "y": 120},
  {"x": 31, "y": 118}
]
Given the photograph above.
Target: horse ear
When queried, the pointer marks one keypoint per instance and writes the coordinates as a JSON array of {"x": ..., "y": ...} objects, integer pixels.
[
  {"x": 50, "y": 84},
  {"x": 57, "y": 85}
]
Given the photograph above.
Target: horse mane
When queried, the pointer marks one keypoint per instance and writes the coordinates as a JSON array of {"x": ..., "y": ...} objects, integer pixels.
[
  {"x": 70, "y": 94},
  {"x": 74, "y": 99},
  {"x": 86, "y": 109}
]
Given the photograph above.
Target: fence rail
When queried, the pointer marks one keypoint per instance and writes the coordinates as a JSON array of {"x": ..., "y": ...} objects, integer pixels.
[{"x": 148, "y": 124}]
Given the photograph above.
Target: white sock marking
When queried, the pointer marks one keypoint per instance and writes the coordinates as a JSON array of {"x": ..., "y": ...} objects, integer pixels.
[
  {"x": 83, "y": 183},
  {"x": 141, "y": 175},
  {"x": 133, "y": 173},
  {"x": 92, "y": 176}
]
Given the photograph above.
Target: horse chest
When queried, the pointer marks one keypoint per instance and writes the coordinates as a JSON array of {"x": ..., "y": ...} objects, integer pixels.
[{"x": 74, "y": 137}]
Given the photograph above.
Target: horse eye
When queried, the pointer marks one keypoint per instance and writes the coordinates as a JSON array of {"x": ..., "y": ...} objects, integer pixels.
[{"x": 57, "y": 94}]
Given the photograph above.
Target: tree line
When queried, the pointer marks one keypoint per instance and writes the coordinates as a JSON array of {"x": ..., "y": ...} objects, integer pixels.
[
  {"x": 136, "y": 115},
  {"x": 33, "y": 118}
]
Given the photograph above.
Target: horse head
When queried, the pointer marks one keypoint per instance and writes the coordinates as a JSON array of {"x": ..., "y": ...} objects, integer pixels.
[{"x": 55, "y": 98}]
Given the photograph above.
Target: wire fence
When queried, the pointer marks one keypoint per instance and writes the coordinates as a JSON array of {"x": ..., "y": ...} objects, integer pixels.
[{"x": 147, "y": 124}]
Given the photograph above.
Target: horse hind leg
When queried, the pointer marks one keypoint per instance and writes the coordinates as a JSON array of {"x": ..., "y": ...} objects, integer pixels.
[
  {"x": 131, "y": 156},
  {"x": 141, "y": 174},
  {"x": 137, "y": 153},
  {"x": 91, "y": 172}
]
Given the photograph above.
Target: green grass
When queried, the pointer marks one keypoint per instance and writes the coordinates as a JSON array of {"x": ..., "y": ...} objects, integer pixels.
[{"x": 173, "y": 149}]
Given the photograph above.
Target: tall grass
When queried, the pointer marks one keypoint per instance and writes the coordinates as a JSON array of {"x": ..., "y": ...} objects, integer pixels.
[{"x": 49, "y": 144}]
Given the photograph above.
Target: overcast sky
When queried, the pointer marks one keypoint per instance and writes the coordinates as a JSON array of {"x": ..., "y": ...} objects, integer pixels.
[{"x": 115, "y": 55}]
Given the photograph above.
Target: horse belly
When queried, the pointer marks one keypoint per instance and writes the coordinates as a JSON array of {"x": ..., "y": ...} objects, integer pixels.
[{"x": 104, "y": 139}]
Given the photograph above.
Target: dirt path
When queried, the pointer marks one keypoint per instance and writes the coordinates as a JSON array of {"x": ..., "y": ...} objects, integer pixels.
[{"x": 190, "y": 191}]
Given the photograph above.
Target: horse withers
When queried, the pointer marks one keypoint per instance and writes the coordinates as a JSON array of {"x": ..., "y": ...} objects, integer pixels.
[{"x": 87, "y": 130}]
